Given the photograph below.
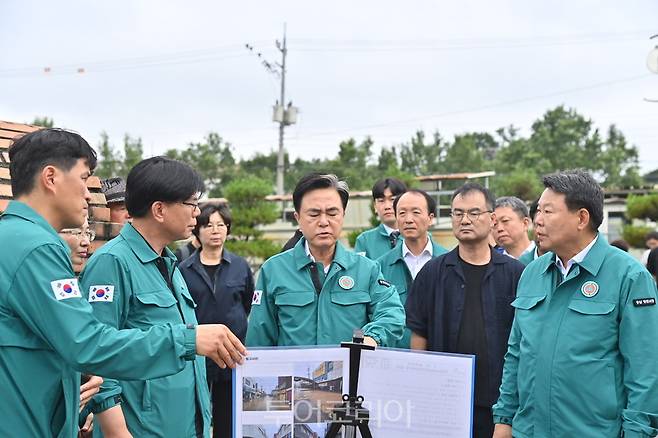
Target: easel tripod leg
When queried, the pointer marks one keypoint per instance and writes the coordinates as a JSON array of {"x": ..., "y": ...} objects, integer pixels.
[
  {"x": 333, "y": 430},
  {"x": 365, "y": 431}
]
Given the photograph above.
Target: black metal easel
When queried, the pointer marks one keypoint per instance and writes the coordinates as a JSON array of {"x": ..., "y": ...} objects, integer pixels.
[{"x": 351, "y": 412}]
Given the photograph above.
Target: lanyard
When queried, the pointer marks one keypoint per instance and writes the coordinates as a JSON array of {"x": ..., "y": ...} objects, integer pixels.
[
  {"x": 315, "y": 277},
  {"x": 169, "y": 279}
]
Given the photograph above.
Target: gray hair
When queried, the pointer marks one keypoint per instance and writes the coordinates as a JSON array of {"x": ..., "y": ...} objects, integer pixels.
[
  {"x": 518, "y": 206},
  {"x": 314, "y": 181}
]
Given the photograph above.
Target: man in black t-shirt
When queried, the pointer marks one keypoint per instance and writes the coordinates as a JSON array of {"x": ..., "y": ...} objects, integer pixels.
[{"x": 460, "y": 301}]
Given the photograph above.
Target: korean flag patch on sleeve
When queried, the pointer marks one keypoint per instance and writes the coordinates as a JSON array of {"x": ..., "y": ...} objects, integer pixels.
[
  {"x": 103, "y": 293},
  {"x": 65, "y": 288},
  {"x": 257, "y": 296}
]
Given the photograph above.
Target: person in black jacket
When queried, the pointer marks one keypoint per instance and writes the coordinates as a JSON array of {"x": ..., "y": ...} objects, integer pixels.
[
  {"x": 652, "y": 263},
  {"x": 460, "y": 302},
  {"x": 222, "y": 286}
]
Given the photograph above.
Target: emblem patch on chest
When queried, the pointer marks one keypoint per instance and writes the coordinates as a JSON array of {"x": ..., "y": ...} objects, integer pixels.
[
  {"x": 589, "y": 289},
  {"x": 346, "y": 282}
]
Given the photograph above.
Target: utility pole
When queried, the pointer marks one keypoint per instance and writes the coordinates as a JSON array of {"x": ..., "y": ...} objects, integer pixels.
[
  {"x": 282, "y": 123},
  {"x": 283, "y": 115}
]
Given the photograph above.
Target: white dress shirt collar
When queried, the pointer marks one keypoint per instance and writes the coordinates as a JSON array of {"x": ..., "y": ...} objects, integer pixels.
[
  {"x": 308, "y": 253},
  {"x": 578, "y": 258},
  {"x": 415, "y": 263}
]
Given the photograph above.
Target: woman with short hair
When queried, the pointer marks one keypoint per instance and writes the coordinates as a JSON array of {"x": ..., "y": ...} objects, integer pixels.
[
  {"x": 79, "y": 240},
  {"x": 222, "y": 286}
]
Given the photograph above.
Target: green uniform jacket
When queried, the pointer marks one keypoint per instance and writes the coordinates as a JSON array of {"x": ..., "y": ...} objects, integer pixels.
[
  {"x": 286, "y": 309},
  {"x": 580, "y": 366},
  {"x": 527, "y": 257},
  {"x": 163, "y": 407},
  {"x": 373, "y": 243},
  {"x": 48, "y": 334},
  {"x": 396, "y": 271}
]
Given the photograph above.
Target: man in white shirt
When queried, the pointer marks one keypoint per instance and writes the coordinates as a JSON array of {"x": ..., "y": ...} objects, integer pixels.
[
  {"x": 415, "y": 214},
  {"x": 511, "y": 226}
]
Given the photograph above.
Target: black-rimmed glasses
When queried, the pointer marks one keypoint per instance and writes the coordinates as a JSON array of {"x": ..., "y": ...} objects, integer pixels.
[
  {"x": 473, "y": 215},
  {"x": 194, "y": 205}
]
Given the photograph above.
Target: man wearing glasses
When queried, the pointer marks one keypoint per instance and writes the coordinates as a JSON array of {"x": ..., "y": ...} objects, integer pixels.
[
  {"x": 460, "y": 301},
  {"x": 133, "y": 281},
  {"x": 48, "y": 333}
]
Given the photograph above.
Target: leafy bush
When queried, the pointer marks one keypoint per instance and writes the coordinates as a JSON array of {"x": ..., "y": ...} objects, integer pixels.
[
  {"x": 634, "y": 235},
  {"x": 249, "y": 209},
  {"x": 642, "y": 207},
  {"x": 259, "y": 249},
  {"x": 351, "y": 237}
]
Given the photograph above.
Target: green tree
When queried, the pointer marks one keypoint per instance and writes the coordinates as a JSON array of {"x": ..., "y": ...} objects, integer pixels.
[
  {"x": 113, "y": 162},
  {"x": 421, "y": 158},
  {"x": 212, "y": 158},
  {"x": 109, "y": 163},
  {"x": 514, "y": 153},
  {"x": 619, "y": 162},
  {"x": 354, "y": 163},
  {"x": 133, "y": 152},
  {"x": 263, "y": 165},
  {"x": 249, "y": 208},
  {"x": 563, "y": 139},
  {"x": 524, "y": 184},
  {"x": 45, "y": 122},
  {"x": 468, "y": 153},
  {"x": 301, "y": 167},
  {"x": 388, "y": 160}
]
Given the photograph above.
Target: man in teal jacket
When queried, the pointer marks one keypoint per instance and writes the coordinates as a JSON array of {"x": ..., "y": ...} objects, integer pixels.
[
  {"x": 414, "y": 211},
  {"x": 530, "y": 256},
  {"x": 133, "y": 281},
  {"x": 582, "y": 352},
  {"x": 318, "y": 292},
  {"x": 48, "y": 333},
  {"x": 377, "y": 241}
]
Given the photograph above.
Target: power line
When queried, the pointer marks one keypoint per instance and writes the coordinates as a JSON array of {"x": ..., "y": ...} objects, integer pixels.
[
  {"x": 469, "y": 110},
  {"x": 310, "y": 45},
  {"x": 401, "y": 48},
  {"x": 324, "y": 45},
  {"x": 175, "y": 58},
  {"x": 597, "y": 35}
]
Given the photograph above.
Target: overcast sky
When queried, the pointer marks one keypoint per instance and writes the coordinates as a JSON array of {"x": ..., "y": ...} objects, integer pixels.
[{"x": 170, "y": 72}]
